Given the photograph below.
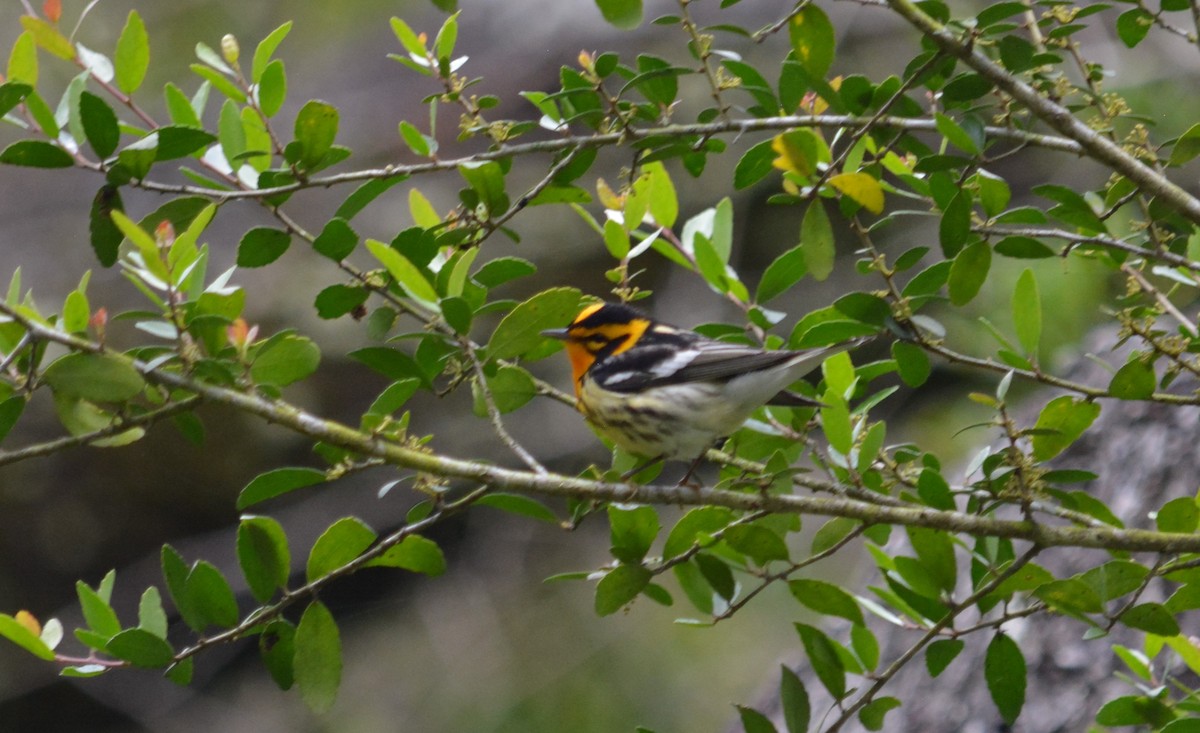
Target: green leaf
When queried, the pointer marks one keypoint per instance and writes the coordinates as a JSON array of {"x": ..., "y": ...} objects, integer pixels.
[
  {"x": 261, "y": 246},
  {"x": 262, "y": 550},
  {"x": 486, "y": 179},
  {"x": 336, "y": 301},
  {"x": 969, "y": 271},
  {"x": 754, "y": 721},
  {"x": 99, "y": 124},
  {"x": 797, "y": 710},
  {"x": 520, "y": 331},
  {"x": 10, "y": 412},
  {"x": 151, "y": 615},
  {"x": 132, "y": 57},
  {"x": 757, "y": 542},
  {"x": 1186, "y": 148},
  {"x": 1023, "y": 248},
  {"x": 1152, "y": 618},
  {"x": 816, "y": 240},
  {"x": 99, "y": 616},
  {"x": 285, "y": 360},
  {"x": 276, "y": 482},
  {"x": 955, "y": 225},
  {"x": 823, "y": 656},
  {"x": 94, "y": 377},
  {"x": 365, "y": 194},
  {"x": 23, "y": 62},
  {"x": 912, "y": 362},
  {"x": 266, "y": 49},
  {"x": 511, "y": 388},
  {"x": 49, "y": 37},
  {"x": 994, "y": 192},
  {"x": 17, "y": 633},
  {"x": 826, "y": 598},
  {"x": 105, "y": 236},
  {"x": 210, "y": 596},
  {"x": 36, "y": 154},
  {"x": 11, "y": 94},
  {"x": 1178, "y": 515},
  {"x": 1063, "y": 419},
  {"x": 415, "y": 553},
  {"x": 178, "y": 141},
  {"x": 754, "y": 165},
  {"x": 656, "y": 187},
  {"x": 1071, "y": 595},
  {"x": 1004, "y": 670},
  {"x": 416, "y": 141},
  {"x": 832, "y": 532},
  {"x": 404, "y": 271},
  {"x": 337, "y": 240},
  {"x": 697, "y": 523},
  {"x": 835, "y": 423},
  {"x": 318, "y": 658},
  {"x": 1135, "y": 380},
  {"x": 344, "y": 540},
  {"x": 620, "y": 586},
  {"x": 277, "y": 647},
  {"x": 940, "y": 654},
  {"x": 954, "y": 132},
  {"x": 624, "y": 14},
  {"x": 632, "y": 531},
  {"x": 873, "y": 713},
  {"x": 141, "y": 648},
  {"x": 813, "y": 40},
  {"x": 1027, "y": 311},
  {"x": 935, "y": 550},
  {"x": 1133, "y": 25},
  {"x": 316, "y": 128},
  {"x": 272, "y": 89},
  {"x": 783, "y": 272},
  {"x": 520, "y": 505}
]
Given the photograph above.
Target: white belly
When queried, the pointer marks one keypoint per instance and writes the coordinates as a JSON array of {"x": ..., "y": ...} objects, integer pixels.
[{"x": 677, "y": 421}]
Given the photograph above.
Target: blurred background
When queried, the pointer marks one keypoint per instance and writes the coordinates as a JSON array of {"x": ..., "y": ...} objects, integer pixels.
[{"x": 490, "y": 646}]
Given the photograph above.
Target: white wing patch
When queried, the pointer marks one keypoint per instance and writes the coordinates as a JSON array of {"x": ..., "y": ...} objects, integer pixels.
[
  {"x": 677, "y": 361},
  {"x": 620, "y": 377}
]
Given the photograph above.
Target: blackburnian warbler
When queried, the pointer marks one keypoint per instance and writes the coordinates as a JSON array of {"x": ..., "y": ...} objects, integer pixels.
[{"x": 664, "y": 393}]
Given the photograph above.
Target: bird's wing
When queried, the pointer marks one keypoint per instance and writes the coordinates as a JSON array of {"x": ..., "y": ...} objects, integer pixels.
[{"x": 650, "y": 365}]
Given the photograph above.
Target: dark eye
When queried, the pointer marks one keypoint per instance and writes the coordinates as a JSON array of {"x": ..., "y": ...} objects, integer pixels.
[{"x": 596, "y": 338}]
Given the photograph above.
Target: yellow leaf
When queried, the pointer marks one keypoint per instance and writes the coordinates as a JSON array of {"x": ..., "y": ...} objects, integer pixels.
[
  {"x": 814, "y": 104},
  {"x": 799, "y": 151},
  {"x": 29, "y": 621},
  {"x": 862, "y": 187},
  {"x": 611, "y": 200}
]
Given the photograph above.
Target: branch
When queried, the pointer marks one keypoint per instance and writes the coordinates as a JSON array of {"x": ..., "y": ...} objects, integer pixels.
[
  {"x": 1053, "y": 114},
  {"x": 736, "y": 127},
  {"x": 266, "y": 613},
  {"x": 930, "y": 635},
  {"x": 343, "y": 436},
  {"x": 118, "y": 426}
]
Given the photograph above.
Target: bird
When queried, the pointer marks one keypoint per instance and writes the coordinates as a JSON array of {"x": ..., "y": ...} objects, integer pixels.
[{"x": 662, "y": 392}]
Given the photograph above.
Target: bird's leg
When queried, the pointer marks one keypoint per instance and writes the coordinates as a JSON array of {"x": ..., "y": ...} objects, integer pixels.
[{"x": 687, "y": 477}]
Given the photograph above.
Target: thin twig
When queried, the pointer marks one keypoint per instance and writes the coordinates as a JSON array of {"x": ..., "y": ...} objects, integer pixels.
[
  {"x": 493, "y": 412},
  {"x": 930, "y": 635},
  {"x": 1163, "y": 301},
  {"x": 119, "y": 425}
]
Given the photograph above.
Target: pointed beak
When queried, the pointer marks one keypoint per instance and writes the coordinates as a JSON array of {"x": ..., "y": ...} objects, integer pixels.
[{"x": 556, "y": 333}]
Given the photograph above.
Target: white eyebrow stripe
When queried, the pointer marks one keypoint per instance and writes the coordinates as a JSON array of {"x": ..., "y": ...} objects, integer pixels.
[{"x": 677, "y": 361}]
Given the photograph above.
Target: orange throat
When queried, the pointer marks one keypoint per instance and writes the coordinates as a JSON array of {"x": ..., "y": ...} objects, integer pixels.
[{"x": 581, "y": 361}]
